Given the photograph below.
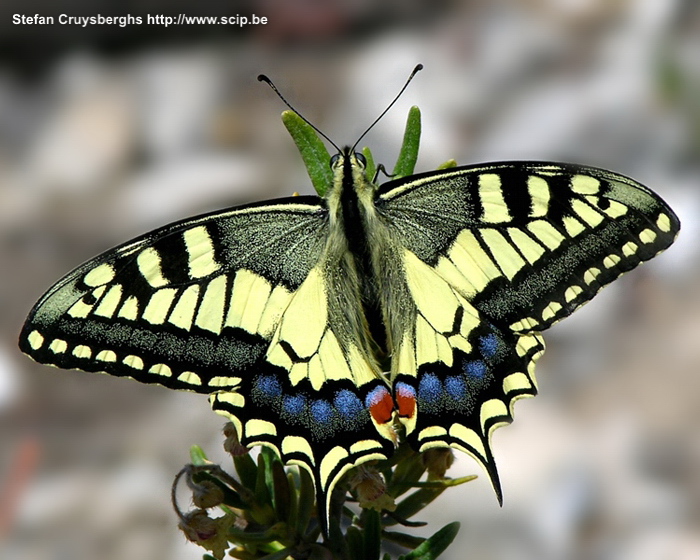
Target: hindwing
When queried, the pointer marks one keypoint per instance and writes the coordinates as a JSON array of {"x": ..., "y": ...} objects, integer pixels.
[
  {"x": 318, "y": 397},
  {"x": 455, "y": 373}
]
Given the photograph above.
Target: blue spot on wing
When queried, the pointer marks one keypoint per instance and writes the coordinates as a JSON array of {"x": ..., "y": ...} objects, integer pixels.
[
  {"x": 294, "y": 404},
  {"x": 348, "y": 404},
  {"x": 488, "y": 345},
  {"x": 322, "y": 411},
  {"x": 475, "y": 369},
  {"x": 456, "y": 387},
  {"x": 269, "y": 385},
  {"x": 430, "y": 389}
]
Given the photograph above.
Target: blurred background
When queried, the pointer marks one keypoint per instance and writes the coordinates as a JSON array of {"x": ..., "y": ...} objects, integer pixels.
[{"x": 109, "y": 131}]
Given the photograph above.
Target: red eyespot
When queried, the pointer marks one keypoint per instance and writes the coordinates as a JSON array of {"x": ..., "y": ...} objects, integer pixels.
[
  {"x": 406, "y": 400},
  {"x": 380, "y": 404}
]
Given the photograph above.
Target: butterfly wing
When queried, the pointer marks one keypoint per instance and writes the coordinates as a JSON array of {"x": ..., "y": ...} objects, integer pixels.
[
  {"x": 492, "y": 255},
  {"x": 241, "y": 304},
  {"x": 192, "y": 305}
]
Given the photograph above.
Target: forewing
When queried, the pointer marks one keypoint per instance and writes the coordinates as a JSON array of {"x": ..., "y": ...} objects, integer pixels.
[
  {"x": 193, "y": 305},
  {"x": 527, "y": 243}
]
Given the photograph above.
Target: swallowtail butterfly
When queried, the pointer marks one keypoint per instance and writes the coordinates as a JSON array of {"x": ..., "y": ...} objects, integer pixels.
[{"x": 318, "y": 325}]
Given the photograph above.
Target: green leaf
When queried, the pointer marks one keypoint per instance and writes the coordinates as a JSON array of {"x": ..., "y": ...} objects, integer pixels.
[
  {"x": 435, "y": 545},
  {"x": 446, "y": 482},
  {"x": 198, "y": 457},
  {"x": 261, "y": 508},
  {"x": 372, "y": 534},
  {"x": 280, "y": 485},
  {"x": 293, "y": 486},
  {"x": 415, "y": 502},
  {"x": 312, "y": 150},
  {"x": 406, "y": 474},
  {"x": 306, "y": 500},
  {"x": 247, "y": 470},
  {"x": 449, "y": 164},
  {"x": 280, "y": 554},
  {"x": 355, "y": 543},
  {"x": 263, "y": 539},
  {"x": 371, "y": 168},
  {"x": 403, "y": 539},
  {"x": 262, "y": 490},
  {"x": 269, "y": 459},
  {"x": 408, "y": 155},
  {"x": 231, "y": 497}
]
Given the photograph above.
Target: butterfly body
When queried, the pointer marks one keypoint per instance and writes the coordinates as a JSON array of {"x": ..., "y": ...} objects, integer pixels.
[{"x": 326, "y": 327}]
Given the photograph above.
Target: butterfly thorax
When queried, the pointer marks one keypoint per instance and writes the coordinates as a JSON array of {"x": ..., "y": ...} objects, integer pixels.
[{"x": 351, "y": 205}]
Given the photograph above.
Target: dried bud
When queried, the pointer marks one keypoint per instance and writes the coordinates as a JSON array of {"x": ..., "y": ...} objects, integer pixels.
[
  {"x": 198, "y": 526},
  {"x": 208, "y": 533},
  {"x": 207, "y": 494},
  {"x": 371, "y": 490},
  {"x": 437, "y": 461},
  {"x": 232, "y": 444}
]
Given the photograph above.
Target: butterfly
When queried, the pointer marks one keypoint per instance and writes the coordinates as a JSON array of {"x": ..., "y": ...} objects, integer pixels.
[{"x": 328, "y": 328}]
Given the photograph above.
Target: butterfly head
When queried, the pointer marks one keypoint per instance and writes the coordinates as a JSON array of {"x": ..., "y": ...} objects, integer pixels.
[
  {"x": 350, "y": 176},
  {"x": 347, "y": 156}
]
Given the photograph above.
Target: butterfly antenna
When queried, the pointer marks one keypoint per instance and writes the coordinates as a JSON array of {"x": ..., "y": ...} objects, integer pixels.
[
  {"x": 417, "y": 69},
  {"x": 268, "y": 81}
]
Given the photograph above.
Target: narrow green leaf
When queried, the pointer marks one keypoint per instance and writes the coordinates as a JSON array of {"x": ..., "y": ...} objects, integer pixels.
[
  {"x": 371, "y": 169},
  {"x": 262, "y": 490},
  {"x": 265, "y": 539},
  {"x": 402, "y": 539},
  {"x": 306, "y": 500},
  {"x": 406, "y": 475},
  {"x": 435, "y": 545},
  {"x": 449, "y": 164},
  {"x": 446, "y": 482},
  {"x": 231, "y": 497},
  {"x": 355, "y": 543},
  {"x": 312, "y": 150},
  {"x": 280, "y": 485},
  {"x": 198, "y": 457},
  {"x": 372, "y": 534},
  {"x": 408, "y": 155},
  {"x": 246, "y": 469},
  {"x": 415, "y": 502},
  {"x": 280, "y": 554},
  {"x": 293, "y": 486}
]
